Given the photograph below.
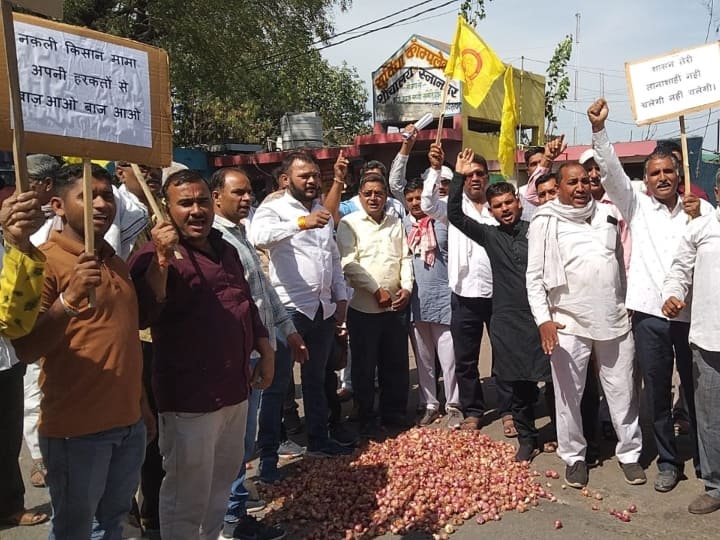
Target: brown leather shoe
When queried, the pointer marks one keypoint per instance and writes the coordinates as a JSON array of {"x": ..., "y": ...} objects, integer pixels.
[
  {"x": 470, "y": 423},
  {"x": 704, "y": 504}
]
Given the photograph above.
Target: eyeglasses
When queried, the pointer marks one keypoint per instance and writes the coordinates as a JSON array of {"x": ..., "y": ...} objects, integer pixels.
[
  {"x": 480, "y": 174},
  {"x": 368, "y": 194}
]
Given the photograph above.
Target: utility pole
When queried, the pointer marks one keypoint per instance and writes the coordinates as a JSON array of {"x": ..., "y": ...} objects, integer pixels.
[{"x": 577, "y": 74}]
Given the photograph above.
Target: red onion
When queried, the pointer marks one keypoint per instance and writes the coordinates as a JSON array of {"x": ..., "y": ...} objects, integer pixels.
[{"x": 558, "y": 524}]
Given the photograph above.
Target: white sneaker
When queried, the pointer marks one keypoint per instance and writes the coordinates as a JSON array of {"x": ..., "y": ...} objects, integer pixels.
[{"x": 455, "y": 417}]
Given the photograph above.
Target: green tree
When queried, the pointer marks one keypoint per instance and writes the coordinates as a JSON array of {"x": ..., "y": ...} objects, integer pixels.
[
  {"x": 236, "y": 66},
  {"x": 557, "y": 85},
  {"x": 473, "y": 10}
]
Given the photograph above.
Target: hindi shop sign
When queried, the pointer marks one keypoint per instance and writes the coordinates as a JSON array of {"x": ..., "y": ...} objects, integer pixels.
[
  {"x": 410, "y": 83},
  {"x": 675, "y": 84},
  {"x": 89, "y": 94}
]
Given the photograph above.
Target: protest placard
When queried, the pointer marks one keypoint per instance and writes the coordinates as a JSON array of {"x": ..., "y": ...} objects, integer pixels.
[
  {"x": 89, "y": 94},
  {"x": 675, "y": 84}
]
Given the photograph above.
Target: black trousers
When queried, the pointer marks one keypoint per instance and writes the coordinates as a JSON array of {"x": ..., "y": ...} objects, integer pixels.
[
  {"x": 151, "y": 473},
  {"x": 524, "y": 395},
  {"x": 12, "y": 489},
  {"x": 466, "y": 326},
  {"x": 380, "y": 340}
]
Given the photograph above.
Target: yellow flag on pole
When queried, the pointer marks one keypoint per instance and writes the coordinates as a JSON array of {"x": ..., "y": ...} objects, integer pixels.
[
  {"x": 506, "y": 147},
  {"x": 473, "y": 63}
]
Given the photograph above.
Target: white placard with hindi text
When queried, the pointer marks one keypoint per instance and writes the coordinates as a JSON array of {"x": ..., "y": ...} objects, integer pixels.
[
  {"x": 74, "y": 86},
  {"x": 678, "y": 83}
]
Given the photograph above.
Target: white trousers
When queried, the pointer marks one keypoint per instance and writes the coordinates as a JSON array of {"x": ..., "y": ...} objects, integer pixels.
[
  {"x": 426, "y": 338},
  {"x": 615, "y": 365},
  {"x": 202, "y": 455},
  {"x": 32, "y": 409}
]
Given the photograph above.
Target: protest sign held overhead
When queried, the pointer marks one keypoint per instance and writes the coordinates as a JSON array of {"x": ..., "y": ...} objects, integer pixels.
[
  {"x": 671, "y": 85},
  {"x": 105, "y": 96}
]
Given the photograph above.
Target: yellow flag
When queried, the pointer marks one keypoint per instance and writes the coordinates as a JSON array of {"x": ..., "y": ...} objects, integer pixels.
[
  {"x": 506, "y": 147},
  {"x": 473, "y": 63}
]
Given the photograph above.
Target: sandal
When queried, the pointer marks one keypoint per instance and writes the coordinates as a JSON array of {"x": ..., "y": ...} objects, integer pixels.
[
  {"x": 24, "y": 518},
  {"x": 550, "y": 447},
  {"x": 470, "y": 423},
  {"x": 509, "y": 427},
  {"x": 38, "y": 473}
]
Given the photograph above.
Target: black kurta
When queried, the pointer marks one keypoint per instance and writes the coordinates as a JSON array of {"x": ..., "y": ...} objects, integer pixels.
[{"x": 514, "y": 336}]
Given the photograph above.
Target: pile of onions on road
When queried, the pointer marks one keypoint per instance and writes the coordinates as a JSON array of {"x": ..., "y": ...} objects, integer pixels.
[{"x": 428, "y": 480}]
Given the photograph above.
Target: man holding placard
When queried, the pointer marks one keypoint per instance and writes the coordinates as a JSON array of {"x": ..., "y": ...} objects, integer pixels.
[
  {"x": 656, "y": 223},
  {"x": 93, "y": 418}
]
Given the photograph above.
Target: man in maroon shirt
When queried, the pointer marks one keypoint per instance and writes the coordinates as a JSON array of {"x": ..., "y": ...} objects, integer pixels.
[{"x": 193, "y": 294}]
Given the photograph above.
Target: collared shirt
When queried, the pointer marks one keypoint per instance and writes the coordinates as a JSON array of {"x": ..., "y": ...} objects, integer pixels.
[
  {"x": 205, "y": 330},
  {"x": 91, "y": 381},
  {"x": 591, "y": 303},
  {"x": 304, "y": 264},
  {"x": 374, "y": 255},
  {"x": 695, "y": 267},
  {"x": 469, "y": 271},
  {"x": 655, "y": 230},
  {"x": 272, "y": 313}
]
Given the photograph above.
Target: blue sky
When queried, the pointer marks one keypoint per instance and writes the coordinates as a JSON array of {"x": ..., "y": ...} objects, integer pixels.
[{"x": 611, "y": 32}]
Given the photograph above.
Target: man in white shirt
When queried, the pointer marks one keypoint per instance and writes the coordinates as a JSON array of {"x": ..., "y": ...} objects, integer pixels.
[
  {"x": 378, "y": 266},
  {"x": 695, "y": 265},
  {"x": 656, "y": 223},
  {"x": 305, "y": 271},
  {"x": 470, "y": 278},
  {"x": 576, "y": 293}
]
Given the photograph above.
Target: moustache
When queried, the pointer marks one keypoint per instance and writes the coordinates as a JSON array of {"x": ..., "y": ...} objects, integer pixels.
[{"x": 664, "y": 184}]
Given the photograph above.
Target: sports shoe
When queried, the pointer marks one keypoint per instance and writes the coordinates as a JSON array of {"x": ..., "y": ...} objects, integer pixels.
[
  {"x": 249, "y": 528},
  {"x": 329, "y": 450},
  {"x": 454, "y": 417},
  {"x": 289, "y": 449},
  {"x": 704, "y": 504},
  {"x": 343, "y": 435},
  {"x": 666, "y": 480},
  {"x": 634, "y": 473},
  {"x": 429, "y": 417},
  {"x": 576, "y": 475}
]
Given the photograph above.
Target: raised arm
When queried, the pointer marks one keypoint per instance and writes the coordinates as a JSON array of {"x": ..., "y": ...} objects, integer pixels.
[
  {"x": 616, "y": 182},
  {"x": 430, "y": 201},
  {"x": 396, "y": 176},
  {"x": 332, "y": 197},
  {"x": 552, "y": 150},
  {"x": 468, "y": 226}
]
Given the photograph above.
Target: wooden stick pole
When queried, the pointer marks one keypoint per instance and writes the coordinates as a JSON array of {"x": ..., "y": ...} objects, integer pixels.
[
  {"x": 154, "y": 205},
  {"x": 8, "y": 29},
  {"x": 443, "y": 104},
  {"x": 686, "y": 160},
  {"x": 88, "y": 217},
  {"x": 152, "y": 201}
]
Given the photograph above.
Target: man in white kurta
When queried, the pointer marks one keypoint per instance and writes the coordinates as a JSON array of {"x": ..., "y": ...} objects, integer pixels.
[
  {"x": 695, "y": 265},
  {"x": 576, "y": 290}
]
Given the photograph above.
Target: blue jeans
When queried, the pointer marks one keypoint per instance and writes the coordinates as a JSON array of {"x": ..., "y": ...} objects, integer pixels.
[
  {"x": 238, "y": 493},
  {"x": 92, "y": 481},
  {"x": 318, "y": 335}
]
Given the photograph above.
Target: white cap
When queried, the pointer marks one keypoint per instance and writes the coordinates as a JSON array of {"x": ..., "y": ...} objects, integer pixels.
[
  {"x": 587, "y": 155},
  {"x": 445, "y": 173},
  {"x": 174, "y": 167}
]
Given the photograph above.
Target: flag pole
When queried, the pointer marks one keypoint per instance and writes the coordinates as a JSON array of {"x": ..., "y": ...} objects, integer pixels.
[{"x": 443, "y": 105}]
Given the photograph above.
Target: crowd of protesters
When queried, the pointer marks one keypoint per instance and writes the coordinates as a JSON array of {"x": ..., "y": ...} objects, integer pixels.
[{"x": 162, "y": 361}]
